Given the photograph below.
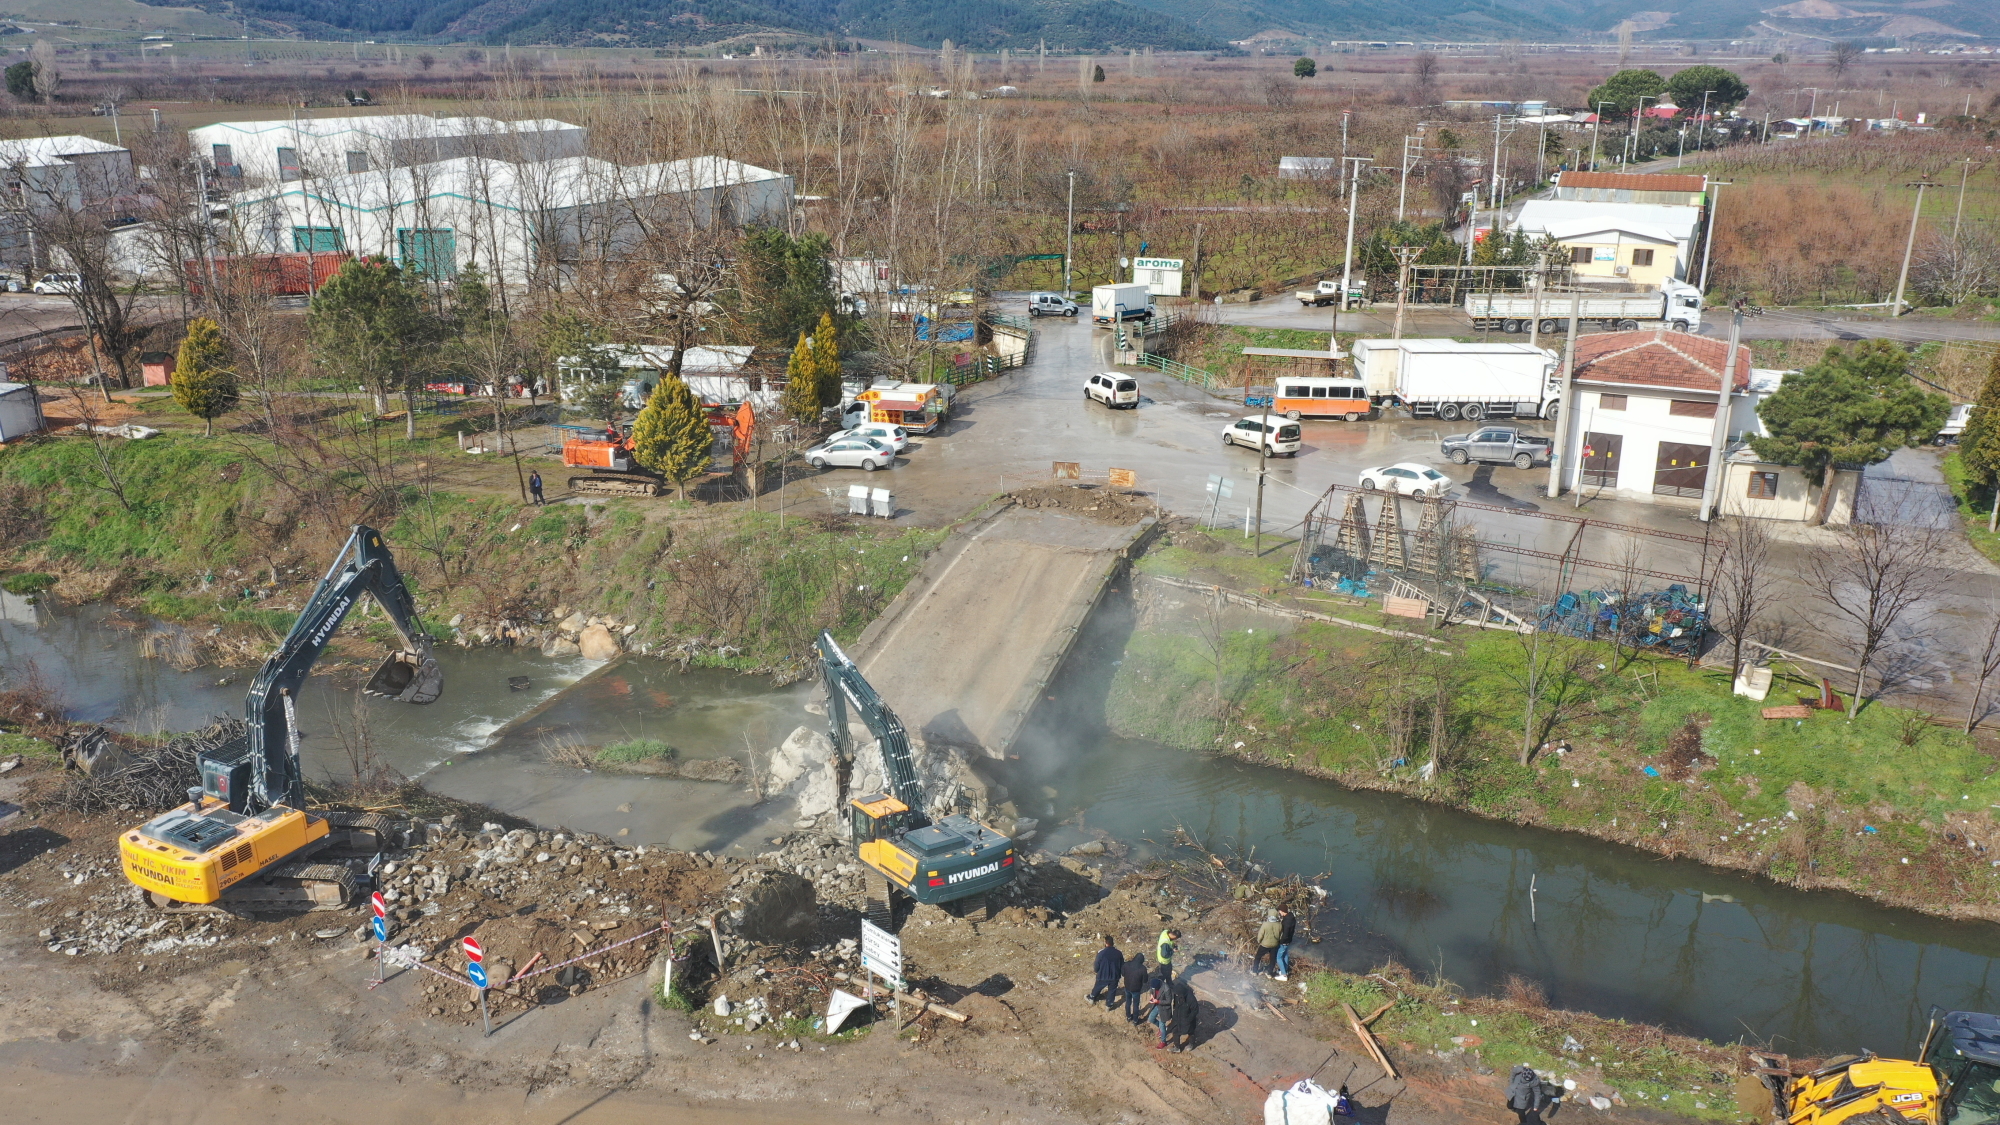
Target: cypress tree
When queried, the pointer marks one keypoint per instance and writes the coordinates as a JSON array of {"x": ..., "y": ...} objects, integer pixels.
[
  {"x": 1979, "y": 446},
  {"x": 803, "y": 395},
  {"x": 671, "y": 436},
  {"x": 204, "y": 383},
  {"x": 826, "y": 360}
]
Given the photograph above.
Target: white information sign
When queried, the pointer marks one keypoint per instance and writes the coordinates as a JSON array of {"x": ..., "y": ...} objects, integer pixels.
[
  {"x": 1160, "y": 276},
  {"x": 882, "y": 953}
]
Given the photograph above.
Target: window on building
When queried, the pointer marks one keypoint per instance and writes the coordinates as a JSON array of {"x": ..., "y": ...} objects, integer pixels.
[
  {"x": 1611, "y": 402},
  {"x": 1642, "y": 257},
  {"x": 288, "y": 164},
  {"x": 1763, "y": 486},
  {"x": 318, "y": 240},
  {"x": 432, "y": 252},
  {"x": 357, "y": 162},
  {"x": 1579, "y": 255},
  {"x": 225, "y": 160},
  {"x": 1683, "y": 408}
]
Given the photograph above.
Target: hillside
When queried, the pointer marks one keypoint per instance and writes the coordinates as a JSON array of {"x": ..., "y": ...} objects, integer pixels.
[
  {"x": 984, "y": 24},
  {"x": 1421, "y": 20}
]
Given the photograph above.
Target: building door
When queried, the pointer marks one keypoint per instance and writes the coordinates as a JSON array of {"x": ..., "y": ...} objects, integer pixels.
[
  {"x": 1681, "y": 470},
  {"x": 1601, "y": 455},
  {"x": 431, "y": 252}
]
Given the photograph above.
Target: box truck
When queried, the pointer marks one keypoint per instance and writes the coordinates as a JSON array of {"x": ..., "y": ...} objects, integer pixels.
[
  {"x": 1110, "y": 304},
  {"x": 1677, "y": 306},
  {"x": 1451, "y": 380}
]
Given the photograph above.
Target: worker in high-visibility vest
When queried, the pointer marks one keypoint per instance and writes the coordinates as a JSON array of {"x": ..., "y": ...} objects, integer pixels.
[{"x": 1164, "y": 952}]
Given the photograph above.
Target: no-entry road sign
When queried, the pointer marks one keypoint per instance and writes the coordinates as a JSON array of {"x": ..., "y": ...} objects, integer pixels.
[
  {"x": 379, "y": 904},
  {"x": 472, "y": 951}
]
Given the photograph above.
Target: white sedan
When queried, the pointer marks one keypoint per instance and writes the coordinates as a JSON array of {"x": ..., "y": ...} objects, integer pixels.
[
  {"x": 1407, "y": 478},
  {"x": 893, "y": 436},
  {"x": 851, "y": 452}
]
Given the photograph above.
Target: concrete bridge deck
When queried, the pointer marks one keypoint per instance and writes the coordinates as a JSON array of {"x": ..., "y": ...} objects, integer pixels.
[{"x": 964, "y": 652}]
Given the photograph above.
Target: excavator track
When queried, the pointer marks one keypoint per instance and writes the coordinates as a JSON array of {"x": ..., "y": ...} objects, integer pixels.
[
  {"x": 285, "y": 887},
  {"x": 614, "y": 486}
]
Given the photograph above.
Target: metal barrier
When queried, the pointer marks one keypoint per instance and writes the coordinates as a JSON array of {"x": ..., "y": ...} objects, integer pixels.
[{"x": 1204, "y": 379}]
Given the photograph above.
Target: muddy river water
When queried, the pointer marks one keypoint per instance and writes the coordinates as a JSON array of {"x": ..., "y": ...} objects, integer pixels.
[{"x": 1606, "y": 929}]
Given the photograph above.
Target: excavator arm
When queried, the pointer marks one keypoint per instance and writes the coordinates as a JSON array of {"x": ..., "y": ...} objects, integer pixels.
[
  {"x": 364, "y": 567},
  {"x": 844, "y": 683}
]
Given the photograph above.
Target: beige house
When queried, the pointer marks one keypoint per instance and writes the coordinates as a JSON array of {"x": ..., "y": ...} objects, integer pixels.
[
  {"x": 1782, "y": 492},
  {"x": 1635, "y": 244}
]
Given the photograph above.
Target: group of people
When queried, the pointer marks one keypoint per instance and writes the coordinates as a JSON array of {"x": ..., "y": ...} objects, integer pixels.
[
  {"x": 1274, "y": 943},
  {"x": 1156, "y": 998}
]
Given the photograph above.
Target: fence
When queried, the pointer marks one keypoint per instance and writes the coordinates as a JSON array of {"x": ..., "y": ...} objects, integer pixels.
[{"x": 1207, "y": 380}]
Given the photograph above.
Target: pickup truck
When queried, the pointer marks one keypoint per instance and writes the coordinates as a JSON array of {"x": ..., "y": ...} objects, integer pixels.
[
  {"x": 1498, "y": 445},
  {"x": 1328, "y": 293}
]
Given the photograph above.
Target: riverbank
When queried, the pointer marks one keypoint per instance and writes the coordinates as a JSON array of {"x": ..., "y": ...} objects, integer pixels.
[
  {"x": 1623, "y": 746},
  {"x": 216, "y": 531}
]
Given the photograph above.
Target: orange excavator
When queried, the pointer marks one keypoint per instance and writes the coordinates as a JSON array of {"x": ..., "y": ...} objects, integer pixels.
[{"x": 619, "y": 474}]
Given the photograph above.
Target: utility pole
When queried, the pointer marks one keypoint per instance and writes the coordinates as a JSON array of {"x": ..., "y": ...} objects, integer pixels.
[
  {"x": 1632, "y": 134},
  {"x": 1909, "y": 246},
  {"x": 1541, "y": 149},
  {"x": 1471, "y": 224},
  {"x": 1404, "y": 256},
  {"x": 1345, "y": 114},
  {"x": 1493, "y": 192},
  {"x": 1069, "y": 238},
  {"x": 1566, "y": 412},
  {"x": 1596, "y": 128},
  {"x": 1347, "y": 259},
  {"x": 1958, "y": 218},
  {"x": 1409, "y": 158},
  {"x": 1263, "y": 453},
  {"x": 1701, "y": 123},
  {"x": 1708, "y": 239},
  {"x": 1711, "y": 486},
  {"x": 1535, "y": 325}
]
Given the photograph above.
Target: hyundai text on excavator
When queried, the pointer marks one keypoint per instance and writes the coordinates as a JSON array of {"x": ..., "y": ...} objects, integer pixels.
[
  {"x": 1955, "y": 1080},
  {"x": 245, "y": 838},
  {"x": 949, "y": 861}
]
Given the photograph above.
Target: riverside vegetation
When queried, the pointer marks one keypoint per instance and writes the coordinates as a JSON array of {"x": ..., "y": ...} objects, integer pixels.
[{"x": 1638, "y": 749}]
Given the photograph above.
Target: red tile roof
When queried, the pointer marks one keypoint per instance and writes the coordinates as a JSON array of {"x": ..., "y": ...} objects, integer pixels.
[
  {"x": 1633, "y": 181},
  {"x": 1658, "y": 358}
]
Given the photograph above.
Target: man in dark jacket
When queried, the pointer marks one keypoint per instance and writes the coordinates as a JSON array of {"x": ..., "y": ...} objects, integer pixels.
[
  {"x": 1110, "y": 970},
  {"x": 1288, "y": 927},
  {"x": 1135, "y": 985},
  {"x": 1183, "y": 1011},
  {"x": 1524, "y": 1095}
]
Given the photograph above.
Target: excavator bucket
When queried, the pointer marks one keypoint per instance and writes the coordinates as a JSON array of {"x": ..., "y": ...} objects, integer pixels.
[{"x": 407, "y": 677}]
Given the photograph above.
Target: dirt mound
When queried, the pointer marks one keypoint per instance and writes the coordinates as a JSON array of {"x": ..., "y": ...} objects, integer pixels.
[{"x": 1097, "y": 501}]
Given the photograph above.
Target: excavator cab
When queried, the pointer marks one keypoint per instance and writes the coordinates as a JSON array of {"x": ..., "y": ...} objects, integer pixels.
[
  {"x": 879, "y": 816},
  {"x": 1963, "y": 1050}
]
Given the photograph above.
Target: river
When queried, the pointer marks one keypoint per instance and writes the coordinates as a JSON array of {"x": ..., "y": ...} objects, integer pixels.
[{"x": 1608, "y": 929}]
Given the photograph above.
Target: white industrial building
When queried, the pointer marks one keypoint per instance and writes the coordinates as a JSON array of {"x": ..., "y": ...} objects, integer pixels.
[
  {"x": 505, "y": 218},
  {"x": 284, "y": 151},
  {"x": 67, "y": 172}
]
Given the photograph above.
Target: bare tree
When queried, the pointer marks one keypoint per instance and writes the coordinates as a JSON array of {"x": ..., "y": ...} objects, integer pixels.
[
  {"x": 1874, "y": 576},
  {"x": 1989, "y": 664},
  {"x": 1843, "y": 57},
  {"x": 1741, "y": 577},
  {"x": 1953, "y": 269},
  {"x": 1423, "y": 76},
  {"x": 1552, "y": 675}
]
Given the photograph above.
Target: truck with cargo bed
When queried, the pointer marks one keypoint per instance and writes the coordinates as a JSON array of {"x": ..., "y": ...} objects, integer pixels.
[
  {"x": 1450, "y": 379},
  {"x": 1677, "y": 305},
  {"x": 1110, "y": 304},
  {"x": 1497, "y": 445}
]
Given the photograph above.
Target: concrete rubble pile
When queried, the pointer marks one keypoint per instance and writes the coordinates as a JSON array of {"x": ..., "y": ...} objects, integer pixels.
[{"x": 562, "y": 632}]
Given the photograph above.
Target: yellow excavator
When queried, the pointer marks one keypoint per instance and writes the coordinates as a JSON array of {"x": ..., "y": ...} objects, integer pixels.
[
  {"x": 245, "y": 838},
  {"x": 1954, "y": 1081}
]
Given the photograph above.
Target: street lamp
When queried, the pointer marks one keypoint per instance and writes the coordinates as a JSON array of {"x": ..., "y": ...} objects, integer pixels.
[
  {"x": 1632, "y": 135},
  {"x": 1069, "y": 236},
  {"x": 1347, "y": 259},
  {"x": 1701, "y": 123},
  {"x": 1596, "y": 127}
]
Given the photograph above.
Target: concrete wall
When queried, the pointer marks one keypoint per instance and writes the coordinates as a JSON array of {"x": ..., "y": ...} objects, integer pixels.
[{"x": 1644, "y": 424}]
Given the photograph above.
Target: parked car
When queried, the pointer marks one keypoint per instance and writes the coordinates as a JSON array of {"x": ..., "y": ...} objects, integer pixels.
[
  {"x": 1497, "y": 445},
  {"x": 888, "y": 433},
  {"x": 59, "y": 284},
  {"x": 1280, "y": 438},
  {"x": 846, "y": 452},
  {"x": 1113, "y": 390},
  {"x": 1050, "y": 304},
  {"x": 1407, "y": 478}
]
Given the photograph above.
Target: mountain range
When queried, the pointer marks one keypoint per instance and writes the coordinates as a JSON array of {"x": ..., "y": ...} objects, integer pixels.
[{"x": 1110, "y": 24}]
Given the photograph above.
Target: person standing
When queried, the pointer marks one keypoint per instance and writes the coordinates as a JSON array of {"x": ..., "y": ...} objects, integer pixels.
[
  {"x": 1135, "y": 985},
  {"x": 1157, "y": 1005},
  {"x": 1110, "y": 971},
  {"x": 1525, "y": 1096},
  {"x": 1267, "y": 943},
  {"x": 1184, "y": 1011},
  {"x": 1288, "y": 928},
  {"x": 1163, "y": 952},
  {"x": 535, "y": 485}
]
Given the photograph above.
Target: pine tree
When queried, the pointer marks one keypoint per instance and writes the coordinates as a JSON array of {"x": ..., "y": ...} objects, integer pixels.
[
  {"x": 802, "y": 387},
  {"x": 826, "y": 360},
  {"x": 1979, "y": 446},
  {"x": 204, "y": 383},
  {"x": 671, "y": 436}
]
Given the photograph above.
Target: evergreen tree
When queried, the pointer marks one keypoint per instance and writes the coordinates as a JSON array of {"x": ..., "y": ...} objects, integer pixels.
[
  {"x": 671, "y": 436},
  {"x": 826, "y": 360},
  {"x": 802, "y": 397},
  {"x": 1623, "y": 93},
  {"x": 785, "y": 284},
  {"x": 370, "y": 323},
  {"x": 1854, "y": 407},
  {"x": 1305, "y": 68},
  {"x": 204, "y": 383},
  {"x": 1979, "y": 446}
]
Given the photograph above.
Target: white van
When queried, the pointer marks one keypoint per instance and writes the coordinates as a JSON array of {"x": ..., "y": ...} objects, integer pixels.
[
  {"x": 1050, "y": 304},
  {"x": 1113, "y": 389}
]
